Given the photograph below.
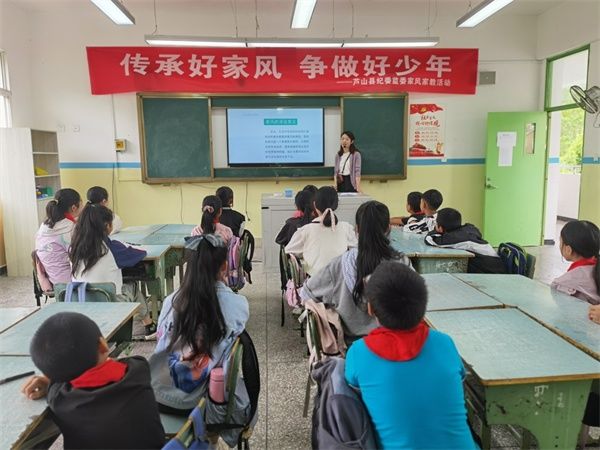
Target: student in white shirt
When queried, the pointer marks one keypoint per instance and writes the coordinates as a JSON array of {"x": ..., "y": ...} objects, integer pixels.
[
  {"x": 95, "y": 258},
  {"x": 325, "y": 237}
]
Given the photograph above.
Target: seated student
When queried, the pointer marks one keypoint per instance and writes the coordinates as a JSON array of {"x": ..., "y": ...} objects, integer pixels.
[
  {"x": 323, "y": 238},
  {"x": 210, "y": 222},
  {"x": 97, "y": 402},
  {"x": 197, "y": 326},
  {"x": 99, "y": 195},
  {"x": 580, "y": 245},
  {"x": 409, "y": 376},
  {"x": 413, "y": 207},
  {"x": 304, "y": 214},
  {"x": 431, "y": 200},
  {"x": 229, "y": 217},
  {"x": 95, "y": 258},
  {"x": 340, "y": 283},
  {"x": 311, "y": 188},
  {"x": 54, "y": 236},
  {"x": 450, "y": 233}
]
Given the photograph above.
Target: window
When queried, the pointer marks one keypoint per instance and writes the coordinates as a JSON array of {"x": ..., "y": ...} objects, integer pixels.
[
  {"x": 5, "y": 111},
  {"x": 562, "y": 72}
]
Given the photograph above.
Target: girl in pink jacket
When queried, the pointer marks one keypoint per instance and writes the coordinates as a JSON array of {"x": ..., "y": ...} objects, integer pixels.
[{"x": 53, "y": 239}]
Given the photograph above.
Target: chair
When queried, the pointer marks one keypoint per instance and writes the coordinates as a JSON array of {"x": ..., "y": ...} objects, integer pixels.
[
  {"x": 284, "y": 275},
  {"x": 530, "y": 271},
  {"x": 42, "y": 287},
  {"x": 192, "y": 434},
  {"x": 313, "y": 340},
  {"x": 95, "y": 292}
]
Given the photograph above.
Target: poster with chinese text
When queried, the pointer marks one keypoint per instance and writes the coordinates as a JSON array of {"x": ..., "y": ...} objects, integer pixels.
[{"x": 426, "y": 132}]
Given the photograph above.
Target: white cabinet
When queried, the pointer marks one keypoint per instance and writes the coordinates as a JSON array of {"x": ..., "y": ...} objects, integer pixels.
[
  {"x": 29, "y": 177},
  {"x": 276, "y": 209}
]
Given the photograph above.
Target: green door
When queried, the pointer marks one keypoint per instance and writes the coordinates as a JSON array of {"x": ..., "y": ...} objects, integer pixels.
[{"x": 515, "y": 178}]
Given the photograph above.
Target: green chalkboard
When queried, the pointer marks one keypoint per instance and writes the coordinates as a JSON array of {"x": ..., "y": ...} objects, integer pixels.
[
  {"x": 175, "y": 138},
  {"x": 379, "y": 125}
]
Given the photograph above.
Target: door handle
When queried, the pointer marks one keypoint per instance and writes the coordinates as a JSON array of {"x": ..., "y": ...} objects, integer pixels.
[{"x": 489, "y": 185}]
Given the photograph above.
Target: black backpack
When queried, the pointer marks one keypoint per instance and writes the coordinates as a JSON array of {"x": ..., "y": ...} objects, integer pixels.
[{"x": 248, "y": 244}]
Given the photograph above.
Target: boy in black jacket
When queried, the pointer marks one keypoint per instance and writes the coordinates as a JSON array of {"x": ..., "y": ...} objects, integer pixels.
[
  {"x": 97, "y": 402},
  {"x": 450, "y": 233}
]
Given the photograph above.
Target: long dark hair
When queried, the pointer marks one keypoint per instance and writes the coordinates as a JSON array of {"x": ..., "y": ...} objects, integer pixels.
[
  {"x": 56, "y": 209},
  {"x": 199, "y": 322},
  {"x": 304, "y": 202},
  {"x": 87, "y": 244},
  {"x": 373, "y": 221},
  {"x": 353, "y": 147},
  {"x": 211, "y": 210},
  {"x": 327, "y": 198},
  {"x": 584, "y": 238}
]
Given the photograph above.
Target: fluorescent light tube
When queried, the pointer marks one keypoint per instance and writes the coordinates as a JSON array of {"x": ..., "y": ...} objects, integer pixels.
[
  {"x": 115, "y": 11},
  {"x": 193, "y": 41},
  {"x": 303, "y": 11},
  {"x": 292, "y": 43},
  {"x": 481, "y": 12},
  {"x": 391, "y": 43}
]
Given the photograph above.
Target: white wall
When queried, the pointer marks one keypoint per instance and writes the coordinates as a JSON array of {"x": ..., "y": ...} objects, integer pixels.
[
  {"x": 16, "y": 41},
  {"x": 568, "y": 197},
  {"x": 62, "y": 93}
]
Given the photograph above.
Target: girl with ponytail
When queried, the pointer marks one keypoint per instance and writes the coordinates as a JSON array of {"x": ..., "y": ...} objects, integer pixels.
[
  {"x": 580, "y": 245},
  {"x": 304, "y": 214},
  {"x": 197, "y": 326},
  {"x": 212, "y": 208},
  {"x": 325, "y": 237},
  {"x": 54, "y": 236},
  {"x": 95, "y": 258},
  {"x": 341, "y": 283}
]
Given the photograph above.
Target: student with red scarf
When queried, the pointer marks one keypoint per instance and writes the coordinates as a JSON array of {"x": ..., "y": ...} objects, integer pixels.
[{"x": 410, "y": 377}]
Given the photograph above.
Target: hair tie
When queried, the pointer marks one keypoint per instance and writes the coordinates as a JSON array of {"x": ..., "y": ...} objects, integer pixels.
[
  {"x": 208, "y": 209},
  {"x": 89, "y": 202},
  {"x": 330, "y": 211},
  {"x": 193, "y": 242}
]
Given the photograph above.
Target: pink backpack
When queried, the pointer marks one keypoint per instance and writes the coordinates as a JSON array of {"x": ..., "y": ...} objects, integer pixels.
[
  {"x": 235, "y": 274},
  {"x": 295, "y": 282}
]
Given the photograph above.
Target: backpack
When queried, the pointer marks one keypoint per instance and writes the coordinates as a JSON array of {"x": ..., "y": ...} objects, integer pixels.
[
  {"x": 235, "y": 274},
  {"x": 248, "y": 245},
  {"x": 295, "y": 282},
  {"x": 514, "y": 258}
]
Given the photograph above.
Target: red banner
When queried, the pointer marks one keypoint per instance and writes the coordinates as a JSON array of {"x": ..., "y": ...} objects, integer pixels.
[{"x": 281, "y": 70}]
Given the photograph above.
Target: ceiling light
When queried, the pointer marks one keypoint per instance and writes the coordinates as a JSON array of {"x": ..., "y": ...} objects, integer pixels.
[
  {"x": 192, "y": 41},
  {"x": 115, "y": 11},
  {"x": 481, "y": 12},
  {"x": 303, "y": 11},
  {"x": 391, "y": 43},
  {"x": 291, "y": 43}
]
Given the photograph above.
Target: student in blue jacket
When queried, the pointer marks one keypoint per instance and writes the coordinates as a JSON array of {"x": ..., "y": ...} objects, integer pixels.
[{"x": 410, "y": 377}]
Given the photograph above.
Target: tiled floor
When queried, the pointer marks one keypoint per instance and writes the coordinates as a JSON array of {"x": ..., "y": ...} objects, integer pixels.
[{"x": 282, "y": 353}]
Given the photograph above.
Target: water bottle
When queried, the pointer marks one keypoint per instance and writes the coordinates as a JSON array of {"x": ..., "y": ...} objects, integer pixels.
[{"x": 216, "y": 385}]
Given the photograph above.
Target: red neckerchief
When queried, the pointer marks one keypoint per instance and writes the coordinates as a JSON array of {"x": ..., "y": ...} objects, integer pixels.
[
  {"x": 417, "y": 213},
  {"x": 297, "y": 214},
  {"x": 397, "y": 345},
  {"x": 110, "y": 371},
  {"x": 70, "y": 217},
  {"x": 592, "y": 261}
]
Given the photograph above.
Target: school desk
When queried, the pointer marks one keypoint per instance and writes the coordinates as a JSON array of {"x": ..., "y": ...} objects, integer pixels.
[
  {"x": 19, "y": 416},
  {"x": 156, "y": 272},
  {"x": 529, "y": 376},
  {"x": 446, "y": 292},
  {"x": 567, "y": 316},
  {"x": 12, "y": 316},
  {"x": 428, "y": 259},
  {"x": 114, "y": 319}
]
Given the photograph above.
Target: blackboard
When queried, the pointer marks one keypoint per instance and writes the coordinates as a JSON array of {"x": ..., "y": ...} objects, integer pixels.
[
  {"x": 176, "y": 142},
  {"x": 379, "y": 125},
  {"x": 175, "y": 139}
]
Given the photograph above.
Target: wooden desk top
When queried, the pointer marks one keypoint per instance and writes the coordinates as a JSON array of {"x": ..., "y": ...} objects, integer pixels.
[
  {"x": 12, "y": 316},
  {"x": 17, "y": 414},
  {"x": 564, "y": 314},
  {"x": 176, "y": 228},
  {"x": 170, "y": 240},
  {"x": 447, "y": 292},
  {"x": 110, "y": 317},
  {"x": 505, "y": 346},
  {"x": 413, "y": 245},
  {"x": 154, "y": 251}
]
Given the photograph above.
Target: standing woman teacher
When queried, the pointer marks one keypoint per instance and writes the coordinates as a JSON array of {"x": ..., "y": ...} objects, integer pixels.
[{"x": 347, "y": 165}]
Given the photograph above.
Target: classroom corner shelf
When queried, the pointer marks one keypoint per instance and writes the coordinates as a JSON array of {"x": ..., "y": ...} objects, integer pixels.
[{"x": 24, "y": 150}]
